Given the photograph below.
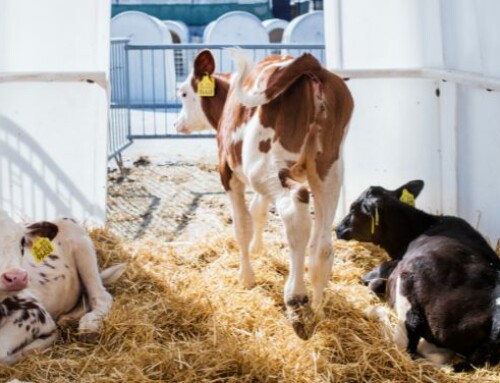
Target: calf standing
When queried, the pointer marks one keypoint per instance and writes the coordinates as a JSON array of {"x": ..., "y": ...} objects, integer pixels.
[
  {"x": 279, "y": 123},
  {"x": 37, "y": 287},
  {"x": 445, "y": 287}
]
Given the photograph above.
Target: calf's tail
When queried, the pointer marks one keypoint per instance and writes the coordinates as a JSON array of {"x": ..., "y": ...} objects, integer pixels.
[{"x": 285, "y": 75}]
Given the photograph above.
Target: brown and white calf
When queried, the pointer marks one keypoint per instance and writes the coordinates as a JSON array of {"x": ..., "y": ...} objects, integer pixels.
[
  {"x": 34, "y": 293},
  {"x": 280, "y": 124}
]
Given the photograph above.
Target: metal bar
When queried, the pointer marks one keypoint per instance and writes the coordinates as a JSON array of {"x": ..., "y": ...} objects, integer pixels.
[
  {"x": 140, "y": 106},
  {"x": 117, "y": 40},
  {"x": 119, "y": 121},
  {"x": 458, "y": 77},
  {"x": 142, "y": 90},
  {"x": 174, "y": 135},
  {"x": 220, "y": 46},
  {"x": 124, "y": 91},
  {"x": 127, "y": 97},
  {"x": 168, "y": 107},
  {"x": 153, "y": 87},
  {"x": 118, "y": 150},
  {"x": 98, "y": 78},
  {"x": 165, "y": 94},
  {"x": 118, "y": 75}
]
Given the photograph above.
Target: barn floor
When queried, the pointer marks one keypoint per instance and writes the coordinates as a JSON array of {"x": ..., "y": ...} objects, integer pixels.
[{"x": 180, "y": 314}]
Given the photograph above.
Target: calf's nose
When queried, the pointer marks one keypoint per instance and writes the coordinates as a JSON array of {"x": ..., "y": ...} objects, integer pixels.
[
  {"x": 343, "y": 232},
  {"x": 14, "y": 279}
]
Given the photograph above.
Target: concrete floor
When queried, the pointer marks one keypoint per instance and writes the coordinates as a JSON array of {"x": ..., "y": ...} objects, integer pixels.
[{"x": 161, "y": 151}]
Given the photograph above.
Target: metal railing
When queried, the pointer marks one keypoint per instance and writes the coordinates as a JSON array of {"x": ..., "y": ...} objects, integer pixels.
[
  {"x": 148, "y": 103},
  {"x": 119, "y": 136}
]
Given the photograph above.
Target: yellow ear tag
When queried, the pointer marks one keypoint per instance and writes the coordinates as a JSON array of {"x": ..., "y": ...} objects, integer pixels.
[
  {"x": 375, "y": 221},
  {"x": 41, "y": 248},
  {"x": 206, "y": 87},
  {"x": 407, "y": 198}
]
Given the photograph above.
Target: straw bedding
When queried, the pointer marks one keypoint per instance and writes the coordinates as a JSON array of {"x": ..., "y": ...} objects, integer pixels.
[{"x": 180, "y": 315}]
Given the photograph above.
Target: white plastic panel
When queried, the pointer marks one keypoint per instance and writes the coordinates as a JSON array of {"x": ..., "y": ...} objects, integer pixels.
[
  {"x": 235, "y": 28},
  {"x": 479, "y": 159},
  {"x": 487, "y": 13},
  {"x": 53, "y": 150},
  {"x": 393, "y": 138},
  {"x": 306, "y": 29},
  {"x": 55, "y": 35},
  {"x": 461, "y": 43},
  {"x": 149, "y": 70},
  {"x": 53, "y": 134},
  {"x": 451, "y": 141},
  {"x": 381, "y": 34},
  {"x": 470, "y": 35}
]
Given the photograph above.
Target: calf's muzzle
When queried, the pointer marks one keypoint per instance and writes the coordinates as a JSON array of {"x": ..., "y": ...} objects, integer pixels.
[{"x": 14, "y": 279}]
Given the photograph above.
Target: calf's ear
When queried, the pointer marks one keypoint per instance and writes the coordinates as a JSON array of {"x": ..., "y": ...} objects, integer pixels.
[
  {"x": 204, "y": 63},
  {"x": 372, "y": 207},
  {"x": 40, "y": 229},
  {"x": 413, "y": 187}
]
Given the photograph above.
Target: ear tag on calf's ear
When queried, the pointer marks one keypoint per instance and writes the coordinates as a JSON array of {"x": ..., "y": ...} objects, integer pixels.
[
  {"x": 41, "y": 248},
  {"x": 375, "y": 220},
  {"x": 206, "y": 87},
  {"x": 407, "y": 198}
]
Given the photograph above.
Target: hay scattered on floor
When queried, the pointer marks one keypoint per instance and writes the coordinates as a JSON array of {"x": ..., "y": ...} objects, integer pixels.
[{"x": 181, "y": 316}]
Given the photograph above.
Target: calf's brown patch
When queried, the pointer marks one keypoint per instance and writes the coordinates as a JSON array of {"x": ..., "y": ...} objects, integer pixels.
[
  {"x": 303, "y": 195},
  {"x": 265, "y": 146},
  {"x": 43, "y": 229}
]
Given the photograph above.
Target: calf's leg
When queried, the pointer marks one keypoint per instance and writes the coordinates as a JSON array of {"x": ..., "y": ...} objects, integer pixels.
[
  {"x": 489, "y": 351},
  {"x": 408, "y": 328},
  {"x": 258, "y": 208},
  {"x": 326, "y": 194},
  {"x": 243, "y": 228},
  {"x": 100, "y": 300},
  {"x": 293, "y": 208}
]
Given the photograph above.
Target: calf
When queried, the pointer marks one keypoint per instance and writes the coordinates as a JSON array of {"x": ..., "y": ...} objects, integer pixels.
[
  {"x": 45, "y": 268},
  {"x": 445, "y": 286},
  {"x": 279, "y": 124}
]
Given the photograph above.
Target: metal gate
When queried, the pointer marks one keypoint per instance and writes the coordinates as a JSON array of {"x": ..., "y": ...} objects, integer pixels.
[
  {"x": 144, "y": 80},
  {"x": 119, "y": 136}
]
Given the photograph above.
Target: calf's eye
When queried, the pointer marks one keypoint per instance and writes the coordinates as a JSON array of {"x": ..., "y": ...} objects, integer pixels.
[{"x": 23, "y": 243}]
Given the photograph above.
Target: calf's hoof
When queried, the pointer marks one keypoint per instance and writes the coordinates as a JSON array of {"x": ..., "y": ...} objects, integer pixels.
[
  {"x": 301, "y": 316},
  {"x": 247, "y": 278},
  {"x": 90, "y": 324},
  {"x": 256, "y": 247},
  {"x": 88, "y": 337},
  {"x": 67, "y": 321}
]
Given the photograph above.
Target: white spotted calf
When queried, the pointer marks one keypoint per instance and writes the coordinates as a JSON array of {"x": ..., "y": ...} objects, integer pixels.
[{"x": 33, "y": 295}]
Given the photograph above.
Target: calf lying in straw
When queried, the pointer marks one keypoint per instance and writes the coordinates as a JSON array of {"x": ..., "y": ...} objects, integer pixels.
[
  {"x": 47, "y": 270},
  {"x": 445, "y": 283}
]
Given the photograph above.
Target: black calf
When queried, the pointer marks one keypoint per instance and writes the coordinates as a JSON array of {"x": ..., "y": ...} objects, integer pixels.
[{"x": 446, "y": 278}]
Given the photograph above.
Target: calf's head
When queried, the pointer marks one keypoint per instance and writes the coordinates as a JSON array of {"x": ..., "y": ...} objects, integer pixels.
[
  {"x": 363, "y": 221},
  {"x": 14, "y": 238},
  {"x": 194, "y": 115}
]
